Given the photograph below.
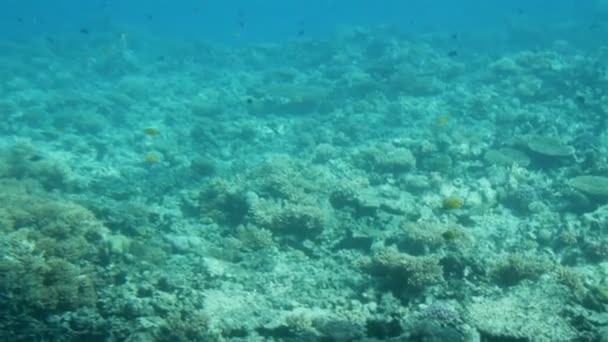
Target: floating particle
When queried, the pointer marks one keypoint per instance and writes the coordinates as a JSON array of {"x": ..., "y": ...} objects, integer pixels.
[{"x": 151, "y": 131}]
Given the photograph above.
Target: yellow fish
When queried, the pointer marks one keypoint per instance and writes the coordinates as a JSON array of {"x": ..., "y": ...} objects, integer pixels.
[
  {"x": 151, "y": 131},
  {"x": 152, "y": 158},
  {"x": 442, "y": 120}
]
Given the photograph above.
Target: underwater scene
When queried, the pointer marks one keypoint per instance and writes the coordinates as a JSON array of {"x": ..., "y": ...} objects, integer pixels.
[{"x": 304, "y": 171}]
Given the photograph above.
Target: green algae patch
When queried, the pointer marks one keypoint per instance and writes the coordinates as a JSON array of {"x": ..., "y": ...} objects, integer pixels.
[{"x": 590, "y": 185}]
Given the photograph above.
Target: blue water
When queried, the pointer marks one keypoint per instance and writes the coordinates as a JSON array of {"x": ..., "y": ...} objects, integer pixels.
[
  {"x": 317, "y": 170},
  {"x": 267, "y": 20}
]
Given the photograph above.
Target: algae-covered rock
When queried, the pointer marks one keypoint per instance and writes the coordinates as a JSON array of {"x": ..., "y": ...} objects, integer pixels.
[
  {"x": 386, "y": 159},
  {"x": 396, "y": 161},
  {"x": 590, "y": 185},
  {"x": 222, "y": 201},
  {"x": 289, "y": 219},
  {"x": 523, "y": 313},
  {"x": 548, "y": 146},
  {"x": 403, "y": 271},
  {"x": 437, "y": 162},
  {"x": 517, "y": 267},
  {"x": 421, "y": 238}
]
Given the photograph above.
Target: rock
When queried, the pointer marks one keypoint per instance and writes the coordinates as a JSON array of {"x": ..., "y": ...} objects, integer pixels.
[
  {"x": 184, "y": 243},
  {"x": 398, "y": 160}
]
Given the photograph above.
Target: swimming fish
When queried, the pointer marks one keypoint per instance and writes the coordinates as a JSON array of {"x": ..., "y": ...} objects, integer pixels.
[
  {"x": 442, "y": 120},
  {"x": 152, "y": 158},
  {"x": 151, "y": 131}
]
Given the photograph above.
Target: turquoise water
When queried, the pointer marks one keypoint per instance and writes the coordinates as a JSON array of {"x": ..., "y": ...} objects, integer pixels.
[{"x": 303, "y": 171}]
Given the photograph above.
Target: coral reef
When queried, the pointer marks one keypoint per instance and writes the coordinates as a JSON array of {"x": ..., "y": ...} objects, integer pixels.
[{"x": 367, "y": 186}]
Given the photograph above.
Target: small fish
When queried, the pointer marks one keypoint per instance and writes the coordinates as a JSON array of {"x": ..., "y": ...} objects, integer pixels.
[
  {"x": 301, "y": 30},
  {"x": 152, "y": 158},
  {"x": 151, "y": 131},
  {"x": 453, "y": 53},
  {"x": 241, "y": 18},
  {"x": 35, "y": 158},
  {"x": 84, "y": 30},
  {"x": 442, "y": 120}
]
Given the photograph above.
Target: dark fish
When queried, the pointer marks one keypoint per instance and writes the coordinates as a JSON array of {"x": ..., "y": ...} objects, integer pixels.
[
  {"x": 453, "y": 53},
  {"x": 594, "y": 25},
  {"x": 84, "y": 30},
  {"x": 20, "y": 20},
  {"x": 35, "y": 157},
  {"x": 241, "y": 18},
  {"x": 249, "y": 100},
  {"x": 149, "y": 17},
  {"x": 454, "y": 36},
  {"x": 301, "y": 29}
]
